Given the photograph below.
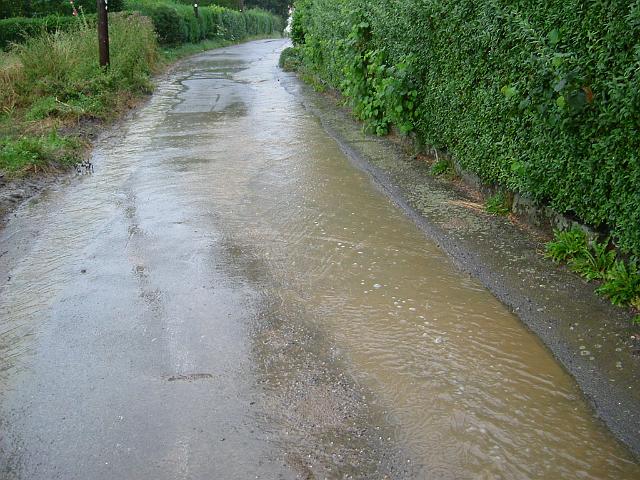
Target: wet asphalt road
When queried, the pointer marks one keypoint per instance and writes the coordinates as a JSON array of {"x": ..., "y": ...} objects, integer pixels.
[
  {"x": 228, "y": 297},
  {"x": 125, "y": 340}
]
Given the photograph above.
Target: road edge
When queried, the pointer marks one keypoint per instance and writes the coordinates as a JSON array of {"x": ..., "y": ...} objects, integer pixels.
[{"x": 549, "y": 313}]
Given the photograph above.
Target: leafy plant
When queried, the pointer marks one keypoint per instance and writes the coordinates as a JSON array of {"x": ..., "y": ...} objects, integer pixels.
[
  {"x": 290, "y": 59},
  {"x": 441, "y": 167},
  {"x": 593, "y": 262},
  {"x": 566, "y": 244},
  {"x": 622, "y": 284},
  {"x": 498, "y": 204}
]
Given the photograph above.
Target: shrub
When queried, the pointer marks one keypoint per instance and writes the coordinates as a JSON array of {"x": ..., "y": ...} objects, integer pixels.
[
  {"x": 176, "y": 23},
  {"x": 542, "y": 98},
  {"x": 17, "y": 30},
  {"x": 289, "y": 59},
  {"x": 299, "y": 21},
  {"x": 42, "y": 8},
  {"x": 231, "y": 4}
]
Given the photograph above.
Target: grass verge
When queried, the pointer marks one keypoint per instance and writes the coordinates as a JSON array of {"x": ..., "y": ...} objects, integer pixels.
[
  {"x": 52, "y": 88},
  {"x": 54, "y": 95}
]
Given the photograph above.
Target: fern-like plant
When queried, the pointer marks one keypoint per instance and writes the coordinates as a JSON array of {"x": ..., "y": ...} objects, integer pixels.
[
  {"x": 566, "y": 244},
  {"x": 592, "y": 262},
  {"x": 622, "y": 285}
]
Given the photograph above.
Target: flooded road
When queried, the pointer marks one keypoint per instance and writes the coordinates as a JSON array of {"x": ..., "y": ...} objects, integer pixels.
[{"x": 227, "y": 296}]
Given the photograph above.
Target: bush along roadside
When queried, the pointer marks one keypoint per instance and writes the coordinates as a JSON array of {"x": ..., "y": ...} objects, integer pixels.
[
  {"x": 597, "y": 261},
  {"x": 538, "y": 98},
  {"x": 53, "y": 93},
  {"x": 175, "y": 23},
  {"x": 42, "y": 8},
  {"x": 18, "y": 30}
]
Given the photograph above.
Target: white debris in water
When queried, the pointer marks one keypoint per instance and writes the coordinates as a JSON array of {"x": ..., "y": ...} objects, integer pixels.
[
  {"x": 377, "y": 285},
  {"x": 438, "y": 340}
]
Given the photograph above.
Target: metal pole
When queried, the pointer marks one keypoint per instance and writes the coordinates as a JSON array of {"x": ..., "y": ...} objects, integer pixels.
[
  {"x": 195, "y": 9},
  {"x": 103, "y": 33}
]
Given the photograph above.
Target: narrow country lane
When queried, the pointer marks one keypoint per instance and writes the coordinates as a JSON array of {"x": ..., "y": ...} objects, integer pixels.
[{"x": 228, "y": 297}]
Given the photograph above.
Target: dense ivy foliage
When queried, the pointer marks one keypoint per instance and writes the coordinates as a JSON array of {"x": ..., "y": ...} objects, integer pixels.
[
  {"x": 542, "y": 97},
  {"x": 42, "y": 8},
  {"x": 176, "y": 23}
]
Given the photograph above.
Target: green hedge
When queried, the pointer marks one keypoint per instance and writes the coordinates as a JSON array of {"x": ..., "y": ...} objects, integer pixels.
[
  {"x": 231, "y": 4},
  {"x": 176, "y": 23},
  {"x": 539, "y": 96},
  {"x": 16, "y": 30},
  {"x": 43, "y": 8}
]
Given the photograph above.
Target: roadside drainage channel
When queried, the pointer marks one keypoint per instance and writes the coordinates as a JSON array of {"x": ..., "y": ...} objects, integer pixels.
[{"x": 592, "y": 339}]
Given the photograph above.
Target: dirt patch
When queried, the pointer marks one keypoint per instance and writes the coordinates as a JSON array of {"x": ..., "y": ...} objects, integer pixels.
[{"x": 14, "y": 192}]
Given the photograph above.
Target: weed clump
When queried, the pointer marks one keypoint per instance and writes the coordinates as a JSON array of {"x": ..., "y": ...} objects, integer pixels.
[
  {"x": 566, "y": 245},
  {"x": 595, "y": 260},
  {"x": 622, "y": 283},
  {"x": 290, "y": 59},
  {"x": 31, "y": 153},
  {"x": 441, "y": 167},
  {"x": 498, "y": 204}
]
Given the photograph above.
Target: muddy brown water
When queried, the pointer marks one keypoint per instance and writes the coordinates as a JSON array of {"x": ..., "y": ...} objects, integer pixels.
[{"x": 222, "y": 165}]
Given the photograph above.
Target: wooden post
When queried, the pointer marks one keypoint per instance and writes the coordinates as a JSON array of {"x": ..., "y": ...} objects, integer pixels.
[{"x": 103, "y": 32}]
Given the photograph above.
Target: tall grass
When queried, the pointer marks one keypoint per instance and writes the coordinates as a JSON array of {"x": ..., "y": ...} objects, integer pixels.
[
  {"x": 55, "y": 78},
  {"x": 64, "y": 66},
  {"x": 10, "y": 76}
]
